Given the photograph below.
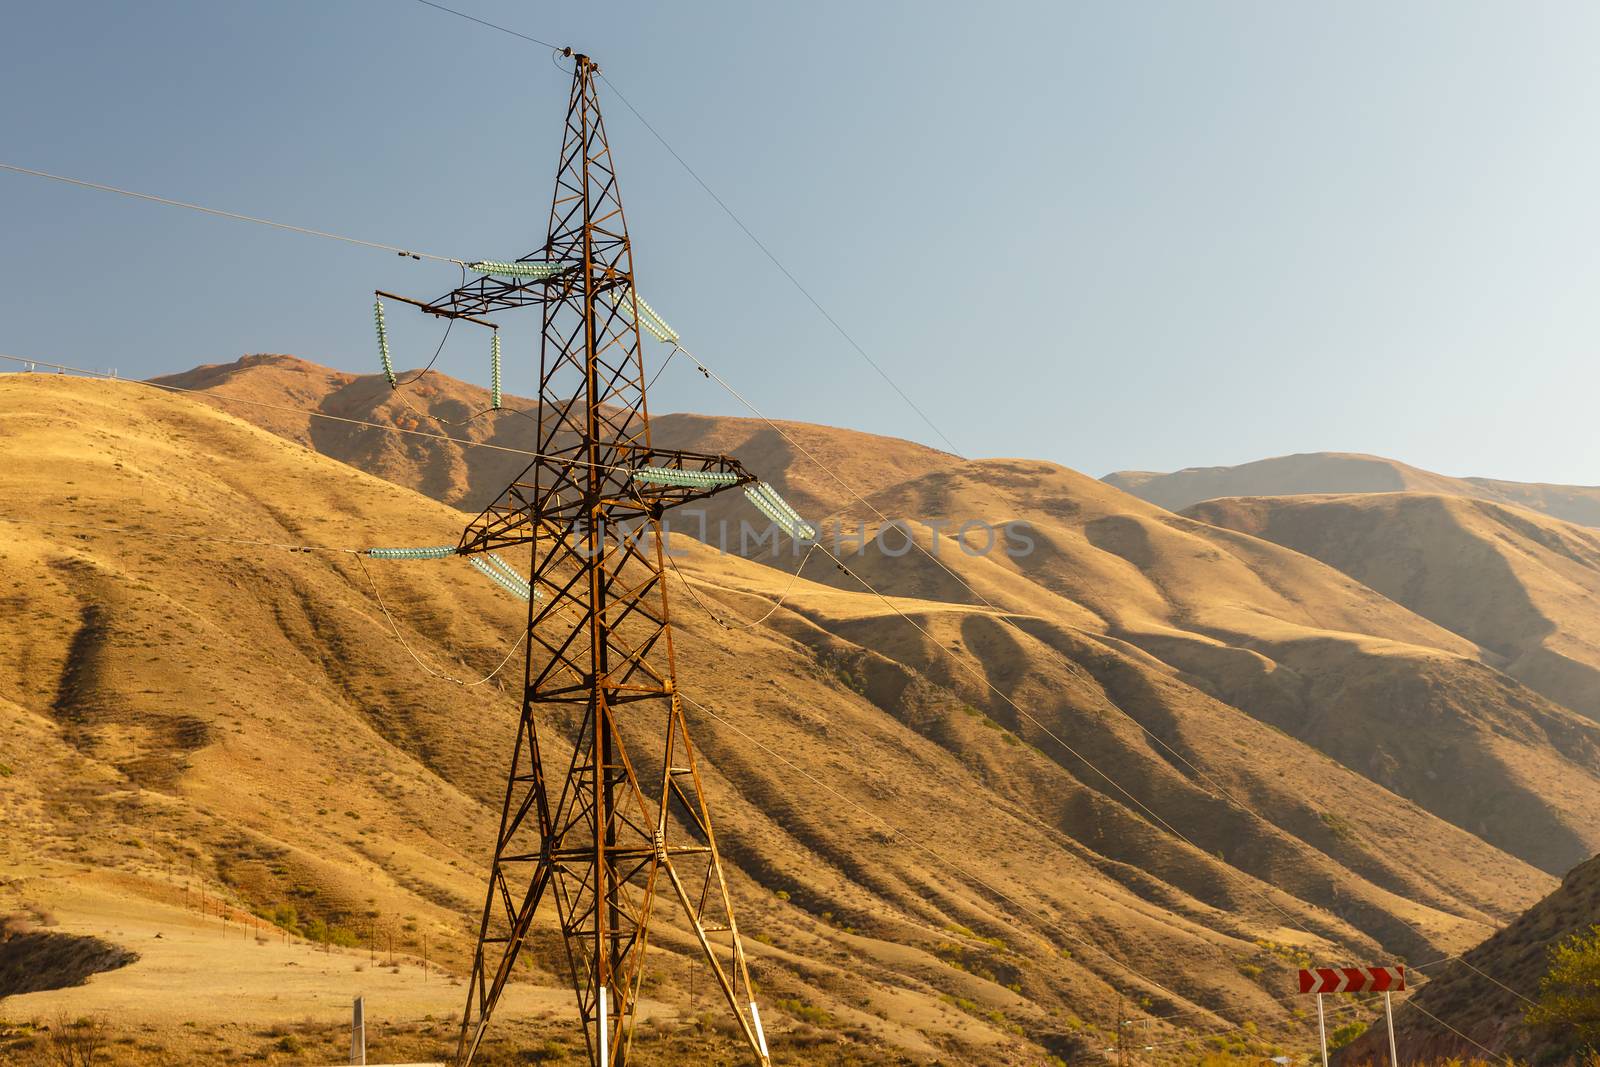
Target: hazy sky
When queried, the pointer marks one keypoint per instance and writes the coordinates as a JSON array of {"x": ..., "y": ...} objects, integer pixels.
[{"x": 1112, "y": 235}]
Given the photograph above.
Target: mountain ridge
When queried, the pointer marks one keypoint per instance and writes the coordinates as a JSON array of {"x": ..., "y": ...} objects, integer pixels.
[{"x": 1346, "y": 473}]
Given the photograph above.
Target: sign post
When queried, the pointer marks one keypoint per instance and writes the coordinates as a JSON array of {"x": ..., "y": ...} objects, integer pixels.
[
  {"x": 1322, "y": 1030},
  {"x": 358, "y": 1031},
  {"x": 1385, "y": 980},
  {"x": 1388, "y": 1011}
]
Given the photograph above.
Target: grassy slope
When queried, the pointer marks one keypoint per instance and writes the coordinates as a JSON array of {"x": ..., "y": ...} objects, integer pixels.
[
  {"x": 1522, "y": 585},
  {"x": 245, "y": 710},
  {"x": 1293, "y": 643}
]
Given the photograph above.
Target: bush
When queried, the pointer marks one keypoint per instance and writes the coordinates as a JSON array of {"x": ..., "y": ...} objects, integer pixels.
[
  {"x": 1569, "y": 993},
  {"x": 75, "y": 1043},
  {"x": 1343, "y": 1035}
]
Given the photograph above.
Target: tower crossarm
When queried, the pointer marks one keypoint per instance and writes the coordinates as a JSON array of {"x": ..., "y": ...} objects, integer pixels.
[
  {"x": 548, "y": 500},
  {"x": 499, "y": 291},
  {"x": 667, "y": 478}
]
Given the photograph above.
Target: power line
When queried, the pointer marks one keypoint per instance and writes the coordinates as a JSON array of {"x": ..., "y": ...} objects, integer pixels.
[
  {"x": 485, "y": 22},
  {"x": 898, "y": 832},
  {"x": 360, "y": 558},
  {"x": 787, "y": 273},
  {"x": 1224, "y": 794},
  {"x": 311, "y": 413},
  {"x": 1217, "y": 789},
  {"x": 744, "y": 624},
  {"x": 184, "y": 537},
  {"x": 189, "y": 538},
  {"x": 407, "y": 252},
  {"x": 737, "y": 221},
  {"x": 1480, "y": 1045}
]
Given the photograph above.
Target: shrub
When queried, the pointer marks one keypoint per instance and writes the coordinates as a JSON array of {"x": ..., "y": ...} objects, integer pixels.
[
  {"x": 75, "y": 1043},
  {"x": 1343, "y": 1035},
  {"x": 1569, "y": 992}
]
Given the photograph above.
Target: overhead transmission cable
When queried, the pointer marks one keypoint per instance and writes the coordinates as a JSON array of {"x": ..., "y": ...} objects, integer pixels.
[
  {"x": 166, "y": 387},
  {"x": 116, "y": 531},
  {"x": 737, "y": 221},
  {"x": 943, "y": 860},
  {"x": 485, "y": 22},
  {"x": 361, "y": 555},
  {"x": 431, "y": 672},
  {"x": 1249, "y": 880},
  {"x": 407, "y": 252},
  {"x": 1217, "y": 789}
]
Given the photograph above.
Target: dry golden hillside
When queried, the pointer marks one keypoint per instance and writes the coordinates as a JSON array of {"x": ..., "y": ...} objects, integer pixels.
[
  {"x": 1523, "y": 586},
  {"x": 469, "y": 478},
  {"x": 1361, "y": 676},
  {"x": 191, "y": 701},
  {"x": 1344, "y": 472},
  {"x": 1290, "y": 642}
]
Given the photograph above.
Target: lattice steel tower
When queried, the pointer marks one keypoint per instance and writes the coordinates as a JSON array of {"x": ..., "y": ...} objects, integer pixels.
[{"x": 629, "y": 810}]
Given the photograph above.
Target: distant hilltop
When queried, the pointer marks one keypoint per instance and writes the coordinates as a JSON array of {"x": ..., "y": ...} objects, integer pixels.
[{"x": 1349, "y": 472}]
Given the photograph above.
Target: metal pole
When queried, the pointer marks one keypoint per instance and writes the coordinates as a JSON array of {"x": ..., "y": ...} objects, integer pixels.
[
  {"x": 358, "y": 1031},
  {"x": 1122, "y": 1035},
  {"x": 1322, "y": 1030},
  {"x": 1388, "y": 1011}
]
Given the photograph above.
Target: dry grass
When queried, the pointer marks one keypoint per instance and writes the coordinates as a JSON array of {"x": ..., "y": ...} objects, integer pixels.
[{"x": 180, "y": 715}]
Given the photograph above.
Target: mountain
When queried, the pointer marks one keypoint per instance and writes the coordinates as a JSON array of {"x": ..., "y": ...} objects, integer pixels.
[
  {"x": 1293, "y": 644},
  {"x": 1288, "y": 613},
  {"x": 1521, "y": 585},
  {"x": 1482, "y": 999},
  {"x": 275, "y": 392},
  {"x": 1345, "y": 473},
  {"x": 1151, "y": 758}
]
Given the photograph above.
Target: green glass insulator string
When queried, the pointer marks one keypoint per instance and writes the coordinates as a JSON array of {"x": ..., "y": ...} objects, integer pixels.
[
  {"x": 494, "y": 370},
  {"x": 431, "y": 552},
  {"x": 383, "y": 342},
  {"x": 690, "y": 479},
  {"x": 536, "y": 271}
]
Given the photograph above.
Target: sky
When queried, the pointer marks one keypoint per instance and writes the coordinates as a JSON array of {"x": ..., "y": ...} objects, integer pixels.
[{"x": 1115, "y": 236}]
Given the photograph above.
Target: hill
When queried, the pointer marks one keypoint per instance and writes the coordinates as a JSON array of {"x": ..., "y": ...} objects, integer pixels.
[
  {"x": 1328, "y": 696},
  {"x": 1523, "y": 586},
  {"x": 1344, "y": 473},
  {"x": 1291, "y": 643},
  {"x": 927, "y": 872},
  {"x": 274, "y": 392}
]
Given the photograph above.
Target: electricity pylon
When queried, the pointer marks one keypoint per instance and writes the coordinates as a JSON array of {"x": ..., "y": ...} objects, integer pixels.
[{"x": 630, "y": 810}]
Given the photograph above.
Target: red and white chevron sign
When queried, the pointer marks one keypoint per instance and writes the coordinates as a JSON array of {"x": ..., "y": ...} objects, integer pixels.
[{"x": 1353, "y": 980}]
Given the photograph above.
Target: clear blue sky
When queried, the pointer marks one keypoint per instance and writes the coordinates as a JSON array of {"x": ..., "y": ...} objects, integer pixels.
[{"x": 1112, "y": 235}]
